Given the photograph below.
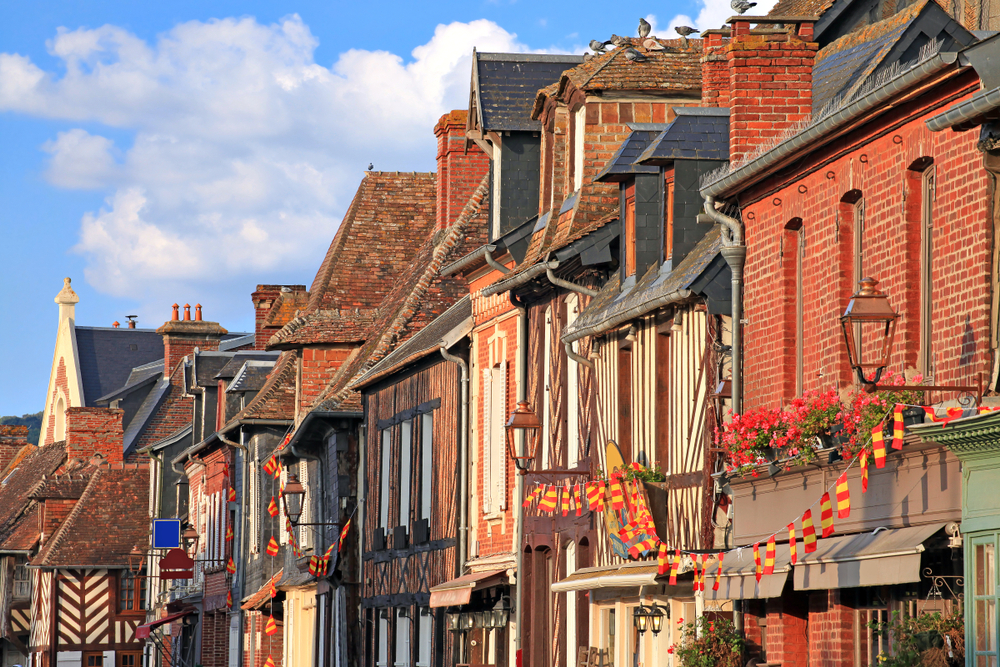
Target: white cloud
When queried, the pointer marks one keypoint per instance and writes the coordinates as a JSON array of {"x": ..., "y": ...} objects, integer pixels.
[
  {"x": 246, "y": 151},
  {"x": 712, "y": 15}
]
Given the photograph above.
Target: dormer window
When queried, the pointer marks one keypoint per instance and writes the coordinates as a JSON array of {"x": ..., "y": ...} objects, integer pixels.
[
  {"x": 668, "y": 220},
  {"x": 628, "y": 228}
]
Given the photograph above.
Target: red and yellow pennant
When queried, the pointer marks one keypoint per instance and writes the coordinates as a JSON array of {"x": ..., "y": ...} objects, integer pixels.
[
  {"x": 288, "y": 439},
  {"x": 718, "y": 573},
  {"x": 343, "y": 535},
  {"x": 843, "y": 497},
  {"x": 273, "y": 590},
  {"x": 629, "y": 530},
  {"x": 617, "y": 496},
  {"x": 602, "y": 490},
  {"x": 272, "y": 547},
  {"x": 695, "y": 579},
  {"x": 897, "y": 427},
  {"x": 769, "y": 556},
  {"x": 549, "y": 499},
  {"x": 232, "y": 495},
  {"x": 229, "y": 599},
  {"x": 269, "y": 662},
  {"x": 272, "y": 507},
  {"x": 864, "y": 471},
  {"x": 531, "y": 497},
  {"x": 270, "y": 627},
  {"x": 647, "y": 544},
  {"x": 229, "y": 533},
  {"x": 270, "y": 465},
  {"x": 757, "y": 569},
  {"x": 314, "y": 564},
  {"x": 577, "y": 501},
  {"x": 791, "y": 543},
  {"x": 663, "y": 559},
  {"x": 231, "y": 566},
  {"x": 566, "y": 500},
  {"x": 878, "y": 446},
  {"x": 826, "y": 514},
  {"x": 808, "y": 532},
  {"x": 592, "y": 496},
  {"x": 674, "y": 566}
]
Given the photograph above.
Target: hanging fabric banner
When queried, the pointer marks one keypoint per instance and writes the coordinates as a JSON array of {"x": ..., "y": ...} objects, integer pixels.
[
  {"x": 808, "y": 532},
  {"x": 897, "y": 427},
  {"x": 791, "y": 543},
  {"x": 843, "y": 497}
]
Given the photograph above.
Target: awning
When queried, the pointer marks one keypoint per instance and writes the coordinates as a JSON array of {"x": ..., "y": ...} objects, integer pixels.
[
  {"x": 142, "y": 632},
  {"x": 458, "y": 591},
  {"x": 890, "y": 556},
  {"x": 629, "y": 575},
  {"x": 739, "y": 581}
]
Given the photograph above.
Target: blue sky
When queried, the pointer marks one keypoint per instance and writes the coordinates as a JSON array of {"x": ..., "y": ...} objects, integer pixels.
[{"x": 186, "y": 151}]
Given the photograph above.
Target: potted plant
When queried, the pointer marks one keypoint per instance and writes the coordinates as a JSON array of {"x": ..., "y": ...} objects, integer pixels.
[{"x": 709, "y": 642}]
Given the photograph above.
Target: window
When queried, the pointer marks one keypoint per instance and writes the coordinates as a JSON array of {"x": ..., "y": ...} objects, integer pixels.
[
  {"x": 255, "y": 504},
  {"x": 668, "y": 223},
  {"x": 22, "y": 580},
  {"x": 571, "y": 606},
  {"x": 382, "y": 639},
  {"x": 609, "y": 633},
  {"x": 572, "y": 393},
  {"x": 925, "y": 361},
  {"x": 425, "y": 634},
  {"x": 129, "y": 659},
  {"x": 494, "y": 461},
  {"x": 93, "y": 660},
  {"x": 625, "y": 400},
  {"x": 131, "y": 592},
  {"x": 545, "y": 441},
  {"x": 426, "y": 466},
  {"x": 402, "y": 641},
  {"x": 628, "y": 231},
  {"x": 305, "y": 532},
  {"x": 405, "y": 456},
  {"x": 383, "y": 495},
  {"x": 984, "y": 601},
  {"x": 60, "y": 428},
  {"x": 579, "y": 132}
]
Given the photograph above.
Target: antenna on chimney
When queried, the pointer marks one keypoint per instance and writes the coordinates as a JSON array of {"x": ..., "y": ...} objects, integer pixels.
[{"x": 131, "y": 321}]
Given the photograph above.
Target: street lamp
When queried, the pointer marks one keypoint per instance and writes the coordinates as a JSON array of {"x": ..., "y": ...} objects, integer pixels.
[
  {"x": 293, "y": 495},
  {"x": 868, "y": 306},
  {"x": 656, "y": 619},
  {"x": 524, "y": 420},
  {"x": 640, "y": 618}
]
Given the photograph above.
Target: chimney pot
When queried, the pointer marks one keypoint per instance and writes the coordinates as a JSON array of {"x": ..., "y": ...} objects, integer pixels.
[
  {"x": 174, "y": 315},
  {"x": 187, "y": 312},
  {"x": 131, "y": 321},
  {"x": 115, "y": 324},
  {"x": 197, "y": 312}
]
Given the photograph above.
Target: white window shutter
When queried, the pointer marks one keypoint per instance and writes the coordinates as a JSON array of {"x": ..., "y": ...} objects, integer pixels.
[
  {"x": 305, "y": 532},
  {"x": 255, "y": 507},
  {"x": 487, "y": 427},
  {"x": 501, "y": 459},
  {"x": 283, "y": 534}
]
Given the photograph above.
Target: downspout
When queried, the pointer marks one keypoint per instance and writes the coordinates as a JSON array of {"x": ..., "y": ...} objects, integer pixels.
[
  {"x": 559, "y": 282},
  {"x": 463, "y": 460},
  {"x": 487, "y": 255},
  {"x": 735, "y": 254},
  {"x": 577, "y": 358},
  {"x": 244, "y": 518},
  {"x": 521, "y": 366}
]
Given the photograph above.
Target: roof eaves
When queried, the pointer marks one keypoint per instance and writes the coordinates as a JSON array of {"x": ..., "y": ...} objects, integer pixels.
[{"x": 983, "y": 106}]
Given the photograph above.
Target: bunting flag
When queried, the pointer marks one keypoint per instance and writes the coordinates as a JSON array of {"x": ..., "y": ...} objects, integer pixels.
[
  {"x": 566, "y": 500},
  {"x": 277, "y": 470},
  {"x": 663, "y": 559},
  {"x": 769, "y": 556},
  {"x": 843, "y": 497},
  {"x": 826, "y": 515},
  {"x": 274, "y": 590},
  {"x": 808, "y": 532},
  {"x": 757, "y": 570},
  {"x": 531, "y": 496},
  {"x": 232, "y": 495},
  {"x": 674, "y": 565},
  {"x": 617, "y": 496},
  {"x": 270, "y": 627},
  {"x": 326, "y": 556},
  {"x": 225, "y": 469},
  {"x": 314, "y": 564},
  {"x": 272, "y": 547},
  {"x": 270, "y": 465},
  {"x": 577, "y": 501},
  {"x": 878, "y": 446},
  {"x": 952, "y": 414},
  {"x": 931, "y": 414},
  {"x": 704, "y": 570},
  {"x": 602, "y": 490},
  {"x": 864, "y": 471},
  {"x": 791, "y": 543},
  {"x": 272, "y": 507},
  {"x": 647, "y": 544},
  {"x": 343, "y": 535},
  {"x": 897, "y": 427},
  {"x": 718, "y": 573},
  {"x": 269, "y": 662},
  {"x": 695, "y": 580},
  {"x": 231, "y": 566},
  {"x": 592, "y": 496},
  {"x": 229, "y": 599},
  {"x": 628, "y": 531},
  {"x": 229, "y": 533},
  {"x": 548, "y": 502},
  {"x": 288, "y": 439}
]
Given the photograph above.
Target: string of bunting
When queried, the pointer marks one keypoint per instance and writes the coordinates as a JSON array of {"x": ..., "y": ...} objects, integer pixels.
[{"x": 639, "y": 533}]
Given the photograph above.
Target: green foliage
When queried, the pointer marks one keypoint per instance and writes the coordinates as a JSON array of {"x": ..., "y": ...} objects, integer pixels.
[
  {"x": 643, "y": 474},
  {"x": 928, "y": 640},
  {"x": 33, "y": 422},
  {"x": 719, "y": 644}
]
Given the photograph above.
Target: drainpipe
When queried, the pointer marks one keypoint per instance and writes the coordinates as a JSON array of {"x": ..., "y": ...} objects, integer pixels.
[
  {"x": 487, "y": 255},
  {"x": 522, "y": 395},
  {"x": 577, "y": 358},
  {"x": 559, "y": 282},
  {"x": 244, "y": 516},
  {"x": 735, "y": 254},
  {"x": 463, "y": 460}
]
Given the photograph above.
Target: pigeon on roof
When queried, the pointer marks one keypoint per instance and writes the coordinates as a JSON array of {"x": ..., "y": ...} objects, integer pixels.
[
  {"x": 644, "y": 28},
  {"x": 634, "y": 56},
  {"x": 598, "y": 46},
  {"x": 741, "y": 6},
  {"x": 684, "y": 31},
  {"x": 617, "y": 40},
  {"x": 653, "y": 44}
]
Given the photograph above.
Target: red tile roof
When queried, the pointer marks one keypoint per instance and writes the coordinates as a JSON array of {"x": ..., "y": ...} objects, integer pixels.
[
  {"x": 109, "y": 520},
  {"x": 263, "y": 594},
  {"x": 15, "y": 487},
  {"x": 391, "y": 215},
  {"x": 24, "y": 534}
]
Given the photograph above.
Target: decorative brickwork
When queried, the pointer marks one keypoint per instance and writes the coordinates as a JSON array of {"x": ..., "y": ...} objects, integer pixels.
[
  {"x": 92, "y": 431},
  {"x": 459, "y": 171}
]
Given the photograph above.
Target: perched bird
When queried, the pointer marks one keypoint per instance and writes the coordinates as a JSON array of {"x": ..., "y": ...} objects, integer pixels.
[
  {"x": 684, "y": 31},
  {"x": 598, "y": 46},
  {"x": 587, "y": 56},
  {"x": 620, "y": 41},
  {"x": 741, "y": 6},
  {"x": 634, "y": 56},
  {"x": 650, "y": 44},
  {"x": 644, "y": 28},
  {"x": 370, "y": 166}
]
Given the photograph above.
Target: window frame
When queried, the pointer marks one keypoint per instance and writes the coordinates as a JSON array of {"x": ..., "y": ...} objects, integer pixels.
[
  {"x": 628, "y": 229},
  {"x": 134, "y": 586},
  {"x": 987, "y": 598}
]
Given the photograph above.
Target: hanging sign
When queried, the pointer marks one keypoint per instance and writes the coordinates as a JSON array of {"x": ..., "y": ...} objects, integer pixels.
[{"x": 176, "y": 565}]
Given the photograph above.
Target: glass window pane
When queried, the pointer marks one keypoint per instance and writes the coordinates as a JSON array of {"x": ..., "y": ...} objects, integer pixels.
[
  {"x": 980, "y": 625},
  {"x": 426, "y": 465},
  {"x": 405, "y": 449},
  {"x": 991, "y": 625}
]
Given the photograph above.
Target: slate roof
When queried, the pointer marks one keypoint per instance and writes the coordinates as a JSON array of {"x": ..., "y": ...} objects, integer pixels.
[
  {"x": 276, "y": 398},
  {"x": 237, "y": 361},
  {"x": 695, "y": 134},
  {"x": 146, "y": 412},
  {"x": 109, "y": 520},
  {"x": 392, "y": 212},
  {"x": 251, "y": 377},
  {"x": 504, "y": 86},
  {"x": 424, "y": 342},
  {"x": 641, "y": 299},
  {"x": 623, "y": 164},
  {"x": 107, "y": 357}
]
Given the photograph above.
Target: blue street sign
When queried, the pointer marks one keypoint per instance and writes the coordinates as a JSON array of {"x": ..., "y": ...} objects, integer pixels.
[{"x": 166, "y": 533}]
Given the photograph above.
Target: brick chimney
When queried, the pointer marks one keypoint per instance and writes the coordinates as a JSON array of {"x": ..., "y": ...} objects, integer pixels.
[
  {"x": 770, "y": 81},
  {"x": 12, "y": 440},
  {"x": 266, "y": 299},
  {"x": 263, "y": 300},
  {"x": 459, "y": 170},
  {"x": 715, "y": 69},
  {"x": 92, "y": 431},
  {"x": 182, "y": 336}
]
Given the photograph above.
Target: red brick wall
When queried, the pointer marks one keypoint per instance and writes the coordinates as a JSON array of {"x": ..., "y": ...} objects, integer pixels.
[
  {"x": 318, "y": 365},
  {"x": 263, "y": 645},
  {"x": 715, "y": 72},
  {"x": 831, "y": 631},
  {"x": 94, "y": 430},
  {"x": 873, "y": 165},
  {"x": 12, "y": 440},
  {"x": 458, "y": 171},
  {"x": 177, "y": 347},
  {"x": 263, "y": 298},
  {"x": 61, "y": 388},
  {"x": 771, "y": 85},
  {"x": 215, "y": 639}
]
